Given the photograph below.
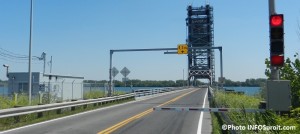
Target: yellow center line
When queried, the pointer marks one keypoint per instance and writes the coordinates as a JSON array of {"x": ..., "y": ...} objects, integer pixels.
[{"x": 135, "y": 117}]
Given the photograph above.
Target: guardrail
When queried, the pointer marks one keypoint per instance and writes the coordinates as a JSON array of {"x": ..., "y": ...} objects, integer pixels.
[
  {"x": 11, "y": 112},
  {"x": 223, "y": 115},
  {"x": 14, "y": 112},
  {"x": 216, "y": 110},
  {"x": 153, "y": 91}
]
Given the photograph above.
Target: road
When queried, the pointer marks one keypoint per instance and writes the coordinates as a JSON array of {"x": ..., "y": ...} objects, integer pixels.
[{"x": 132, "y": 118}]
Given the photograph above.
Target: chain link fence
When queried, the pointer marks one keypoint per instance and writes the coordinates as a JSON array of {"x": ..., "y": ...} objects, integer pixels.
[{"x": 52, "y": 92}]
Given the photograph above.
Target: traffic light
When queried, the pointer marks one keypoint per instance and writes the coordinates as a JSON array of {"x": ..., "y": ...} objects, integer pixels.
[{"x": 276, "y": 40}]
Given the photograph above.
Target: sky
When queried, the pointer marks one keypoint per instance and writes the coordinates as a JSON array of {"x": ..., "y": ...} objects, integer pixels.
[{"x": 79, "y": 34}]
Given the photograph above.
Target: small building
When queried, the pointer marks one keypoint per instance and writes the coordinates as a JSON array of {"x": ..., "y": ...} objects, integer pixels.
[{"x": 60, "y": 87}]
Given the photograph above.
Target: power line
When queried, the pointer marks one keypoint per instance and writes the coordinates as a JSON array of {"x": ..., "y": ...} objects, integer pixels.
[
  {"x": 13, "y": 53},
  {"x": 19, "y": 62},
  {"x": 13, "y": 56}
]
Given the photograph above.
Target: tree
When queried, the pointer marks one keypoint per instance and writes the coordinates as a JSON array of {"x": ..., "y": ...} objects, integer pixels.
[
  {"x": 290, "y": 71},
  {"x": 248, "y": 83}
]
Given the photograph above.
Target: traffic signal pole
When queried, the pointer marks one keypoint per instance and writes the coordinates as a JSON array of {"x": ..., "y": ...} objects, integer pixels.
[
  {"x": 274, "y": 70},
  {"x": 275, "y": 86},
  {"x": 271, "y": 7}
]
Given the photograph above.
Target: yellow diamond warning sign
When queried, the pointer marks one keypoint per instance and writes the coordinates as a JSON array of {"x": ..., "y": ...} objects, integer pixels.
[{"x": 182, "y": 49}]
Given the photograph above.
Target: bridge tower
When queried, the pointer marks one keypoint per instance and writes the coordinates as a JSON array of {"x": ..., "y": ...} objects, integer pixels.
[{"x": 201, "y": 62}]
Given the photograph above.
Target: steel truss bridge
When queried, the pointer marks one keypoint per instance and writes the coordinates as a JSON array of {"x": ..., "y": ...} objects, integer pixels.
[
  {"x": 201, "y": 58},
  {"x": 201, "y": 62}
]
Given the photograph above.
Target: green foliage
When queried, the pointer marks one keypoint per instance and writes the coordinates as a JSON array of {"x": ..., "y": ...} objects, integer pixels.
[
  {"x": 247, "y": 83},
  {"x": 93, "y": 94},
  {"x": 236, "y": 100},
  {"x": 269, "y": 118},
  {"x": 119, "y": 93},
  {"x": 178, "y": 83},
  {"x": 145, "y": 83},
  {"x": 18, "y": 121},
  {"x": 290, "y": 71},
  {"x": 5, "y": 102},
  {"x": 295, "y": 113},
  {"x": 22, "y": 100},
  {"x": 216, "y": 123},
  {"x": 98, "y": 94}
]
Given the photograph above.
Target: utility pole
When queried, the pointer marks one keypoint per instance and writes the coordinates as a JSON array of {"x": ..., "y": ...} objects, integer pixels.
[
  {"x": 51, "y": 65},
  {"x": 44, "y": 58},
  {"x": 29, "y": 64}
]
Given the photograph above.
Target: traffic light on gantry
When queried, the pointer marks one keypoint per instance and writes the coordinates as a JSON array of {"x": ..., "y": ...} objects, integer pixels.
[{"x": 277, "y": 40}]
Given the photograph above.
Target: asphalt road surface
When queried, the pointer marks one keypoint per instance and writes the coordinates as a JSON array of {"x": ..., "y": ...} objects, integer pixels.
[{"x": 135, "y": 117}]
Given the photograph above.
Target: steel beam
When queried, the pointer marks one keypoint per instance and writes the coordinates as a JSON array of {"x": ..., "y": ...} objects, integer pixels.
[
  {"x": 153, "y": 49},
  {"x": 128, "y": 50}
]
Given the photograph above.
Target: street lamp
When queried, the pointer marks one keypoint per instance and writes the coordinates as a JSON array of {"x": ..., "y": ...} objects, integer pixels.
[{"x": 7, "y": 66}]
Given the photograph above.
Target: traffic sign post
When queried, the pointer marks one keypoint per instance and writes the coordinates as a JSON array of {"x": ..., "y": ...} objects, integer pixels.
[
  {"x": 114, "y": 72},
  {"x": 125, "y": 72}
]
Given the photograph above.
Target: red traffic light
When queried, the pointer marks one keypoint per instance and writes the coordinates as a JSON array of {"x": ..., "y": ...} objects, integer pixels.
[
  {"x": 277, "y": 60},
  {"x": 276, "y": 20}
]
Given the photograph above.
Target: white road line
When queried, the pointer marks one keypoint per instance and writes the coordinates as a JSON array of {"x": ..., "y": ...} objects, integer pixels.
[
  {"x": 69, "y": 116},
  {"x": 100, "y": 109},
  {"x": 201, "y": 115}
]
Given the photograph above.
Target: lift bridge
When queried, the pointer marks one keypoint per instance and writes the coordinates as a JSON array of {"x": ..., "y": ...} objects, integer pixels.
[
  {"x": 201, "y": 59},
  {"x": 200, "y": 34}
]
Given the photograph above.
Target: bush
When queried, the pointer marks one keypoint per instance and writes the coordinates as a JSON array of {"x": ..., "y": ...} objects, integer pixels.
[{"x": 269, "y": 118}]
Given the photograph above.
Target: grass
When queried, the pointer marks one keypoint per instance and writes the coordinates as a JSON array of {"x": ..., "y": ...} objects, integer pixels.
[
  {"x": 13, "y": 122},
  {"x": 22, "y": 99},
  {"x": 99, "y": 94},
  {"x": 93, "y": 94},
  {"x": 233, "y": 100},
  {"x": 269, "y": 118},
  {"x": 5, "y": 102},
  {"x": 217, "y": 122}
]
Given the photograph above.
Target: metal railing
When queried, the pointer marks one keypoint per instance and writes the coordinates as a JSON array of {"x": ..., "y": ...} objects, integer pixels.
[
  {"x": 153, "y": 91},
  {"x": 12, "y": 112},
  {"x": 56, "y": 106},
  {"x": 223, "y": 115}
]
